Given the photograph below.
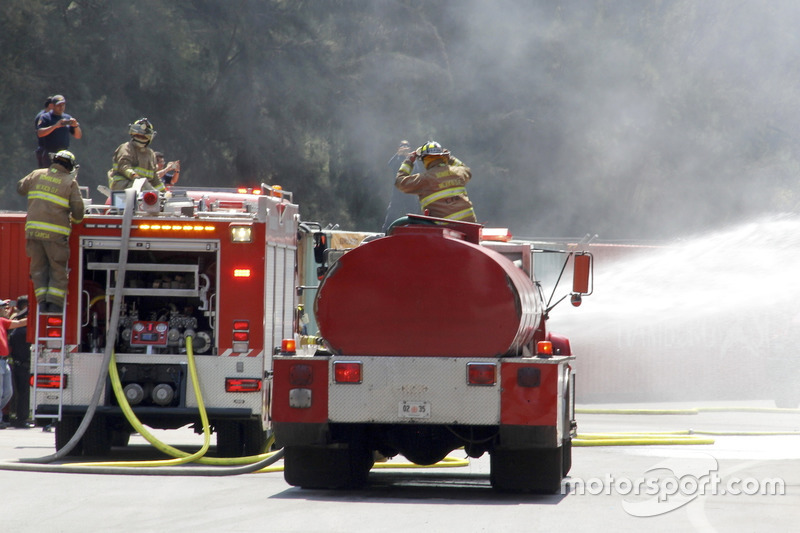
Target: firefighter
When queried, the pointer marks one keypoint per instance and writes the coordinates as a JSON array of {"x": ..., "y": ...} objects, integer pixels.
[
  {"x": 135, "y": 159},
  {"x": 441, "y": 188},
  {"x": 54, "y": 202}
]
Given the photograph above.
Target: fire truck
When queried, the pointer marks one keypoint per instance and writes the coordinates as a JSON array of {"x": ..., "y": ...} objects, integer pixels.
[
  {"x": 217, "y": 265},
  {"x": 431, "y": 338}
]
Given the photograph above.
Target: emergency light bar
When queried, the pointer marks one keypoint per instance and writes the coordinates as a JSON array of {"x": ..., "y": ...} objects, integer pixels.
[{"x": 175, "y": 227}]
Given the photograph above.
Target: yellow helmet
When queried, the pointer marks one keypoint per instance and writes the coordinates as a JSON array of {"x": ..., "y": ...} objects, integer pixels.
[
  {"x": 66, "y": 159},
  {"x": 144, "y": 128}
]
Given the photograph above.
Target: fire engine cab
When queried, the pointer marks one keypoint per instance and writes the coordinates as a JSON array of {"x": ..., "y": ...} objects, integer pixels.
[{"x": 216, "y": 265}]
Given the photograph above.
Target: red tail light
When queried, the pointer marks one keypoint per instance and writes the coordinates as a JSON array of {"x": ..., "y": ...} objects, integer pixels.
[
  {"x": 49, "y": 381},
  {"x": 242, "y": 385},
  {"x": 529, "y": 376},
  {"x": 241, "y": 273},
  {"x": 481, "y": 373},
  {"x": 241, "y": 324},
  {"x": 241, "y": 336},
  {"x": 347, "y": 372},
  {"x": 301, "y": 375}
]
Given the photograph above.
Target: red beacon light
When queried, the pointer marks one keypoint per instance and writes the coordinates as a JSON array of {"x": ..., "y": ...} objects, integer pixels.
[{"x": 150, "y": 198}]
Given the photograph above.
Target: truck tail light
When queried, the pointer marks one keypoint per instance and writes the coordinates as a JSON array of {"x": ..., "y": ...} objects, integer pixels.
[
  {"x": 49, "y": 381},
  {"x": 242, "y": 385},
  {"x": 53, "y": 325},
  {"x": 241, "y": 336},
  {"x": 528, "y": 376},
  {"x": 347, "y": 371},
  {"x": 544, "y": 348},
  {"x": 481, "y": 373},
  {"x": 301, "y": 375},
  {"x": 241, "y": 272}
]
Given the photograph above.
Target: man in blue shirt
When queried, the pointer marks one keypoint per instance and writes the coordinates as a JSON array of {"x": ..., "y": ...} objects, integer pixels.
[{"x": 54, "y": 129}]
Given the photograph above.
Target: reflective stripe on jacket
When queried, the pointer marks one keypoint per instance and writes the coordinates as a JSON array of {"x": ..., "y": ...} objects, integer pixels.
[
  {"x": 53, "y": 196},
  {"x": 130, "y": 160},
  {"x": 441, "y": 189}
]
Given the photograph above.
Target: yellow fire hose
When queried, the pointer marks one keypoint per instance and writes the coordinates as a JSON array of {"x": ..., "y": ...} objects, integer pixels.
[{"x": 181, "y": 457}]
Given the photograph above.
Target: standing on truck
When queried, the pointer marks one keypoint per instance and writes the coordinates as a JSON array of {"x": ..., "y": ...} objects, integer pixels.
[
  {"x": 54, "y": 129},
  {"x": 54, "y": 203},
  {"x": 442, "y": 187}
]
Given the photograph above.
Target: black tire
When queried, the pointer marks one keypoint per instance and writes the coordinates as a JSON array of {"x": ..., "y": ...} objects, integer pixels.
[
  {"x": 254, "y": 437},
  {"x": 566, "y": 457},
  {"x": 120, "y": 438},
  {"x": 229, "y": 439},
  {"x": 65, "y": 430},
  {"x": 327, "y": 468},
  {"x": 97, "y": 439},
  {"x": 533, "y": 470}
]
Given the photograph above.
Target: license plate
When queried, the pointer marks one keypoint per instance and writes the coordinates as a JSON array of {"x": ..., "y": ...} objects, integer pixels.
[{"x": 408, "y": 409}]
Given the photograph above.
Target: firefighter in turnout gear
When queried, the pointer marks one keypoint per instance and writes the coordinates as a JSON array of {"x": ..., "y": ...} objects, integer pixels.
[
  {"x": 135, "y": 159},
  {"x": 441, "y": 188},
  {"x": 54, "y": 203}
]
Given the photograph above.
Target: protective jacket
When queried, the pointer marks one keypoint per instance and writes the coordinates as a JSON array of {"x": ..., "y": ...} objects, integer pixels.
[
  {"x": 53, "y": 196},
  {"x": 441, "y": 189},
  {"x": 129, "y": 159}
]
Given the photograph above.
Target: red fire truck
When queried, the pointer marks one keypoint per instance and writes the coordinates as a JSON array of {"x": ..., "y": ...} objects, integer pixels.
[
  {"x": 433, "y": 337},
  {"x": 218, "y": 265}
]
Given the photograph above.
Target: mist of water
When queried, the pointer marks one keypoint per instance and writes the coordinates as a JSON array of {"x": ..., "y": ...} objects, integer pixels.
[{"x": 715, "y": 316}]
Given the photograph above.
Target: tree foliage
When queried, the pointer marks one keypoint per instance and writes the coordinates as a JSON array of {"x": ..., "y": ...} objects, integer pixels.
[{"x": 623, "y": 118}]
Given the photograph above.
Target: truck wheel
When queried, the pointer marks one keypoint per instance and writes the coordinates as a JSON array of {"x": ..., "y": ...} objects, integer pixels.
[
  {"x": 97, "y": 439},
  {"x": 229, "y": 438},
  {"x": 255, "y": 438},
  {"x": 65, "y": 429},
  {"x": 566, "y": 457},
  {"x": 532, "y": 470},
  {"x": 120, "y": 438},
  {"x": 327, "y": 468}
]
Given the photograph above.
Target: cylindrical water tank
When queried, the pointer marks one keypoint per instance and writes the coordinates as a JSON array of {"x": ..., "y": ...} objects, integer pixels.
[{"x": 425, "y": 291}]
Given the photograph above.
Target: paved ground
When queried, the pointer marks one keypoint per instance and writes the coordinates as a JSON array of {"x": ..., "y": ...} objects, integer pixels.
[{"x": 604, "y": 483}]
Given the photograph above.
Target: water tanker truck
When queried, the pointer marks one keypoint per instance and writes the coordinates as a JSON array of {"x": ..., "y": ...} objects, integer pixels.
[{"x": 433, "y": 338}]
